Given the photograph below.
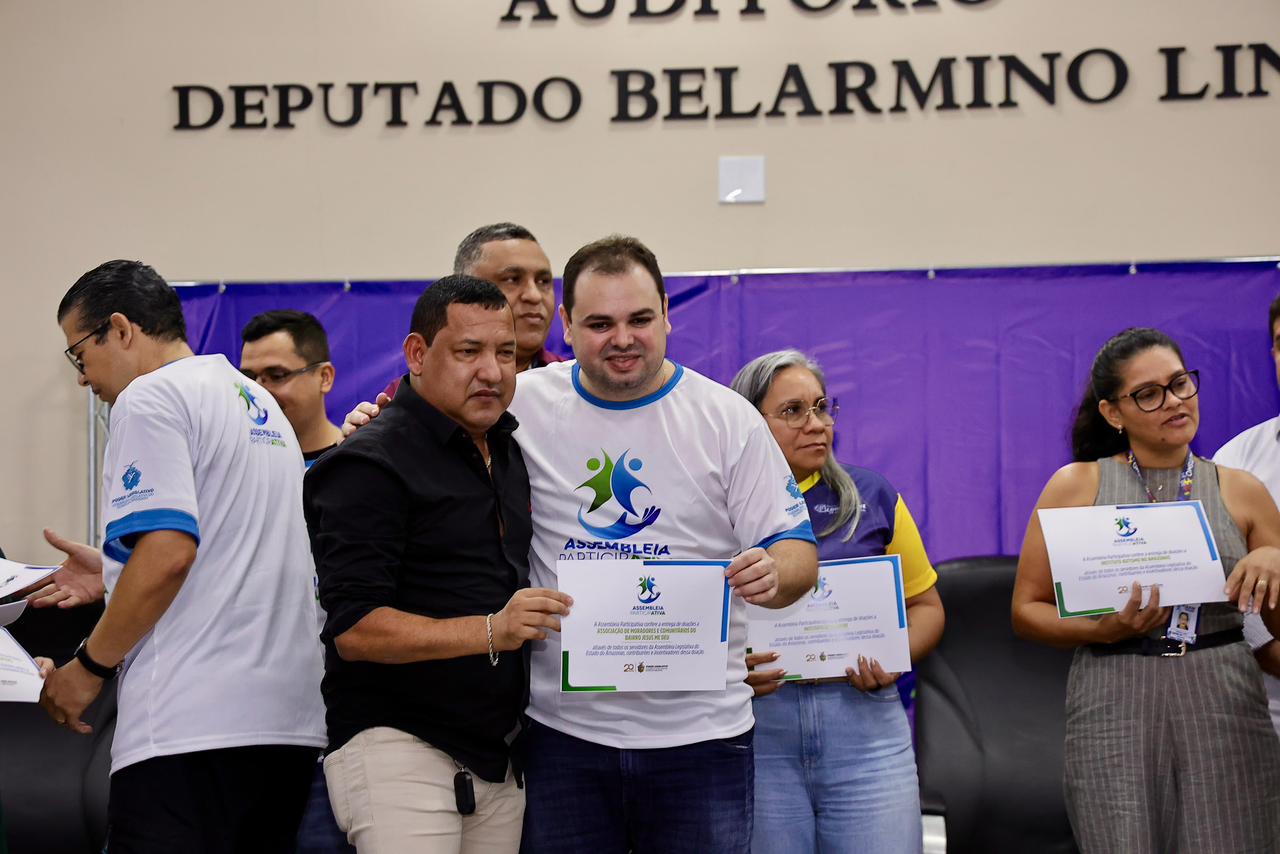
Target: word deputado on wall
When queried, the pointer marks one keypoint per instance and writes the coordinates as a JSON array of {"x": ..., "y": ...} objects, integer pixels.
[{"x": 837, "y": 87}]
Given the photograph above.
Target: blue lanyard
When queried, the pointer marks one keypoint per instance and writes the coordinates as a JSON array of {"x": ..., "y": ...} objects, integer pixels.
[{"x": 1188, "y": 473}]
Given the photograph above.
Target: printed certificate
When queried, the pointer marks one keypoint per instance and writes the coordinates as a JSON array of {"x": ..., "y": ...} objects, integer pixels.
[
  {"x": 18, "y": 576},
  {"x": 1095, "y": 553},
  {"x": 652, "y": 625},
  {"x": 20, "y": 680},
  {"x": 856, "y": 609}
]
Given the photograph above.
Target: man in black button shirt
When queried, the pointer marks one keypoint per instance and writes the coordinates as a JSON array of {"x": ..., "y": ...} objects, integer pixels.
[{"x": 420, "y": 526}]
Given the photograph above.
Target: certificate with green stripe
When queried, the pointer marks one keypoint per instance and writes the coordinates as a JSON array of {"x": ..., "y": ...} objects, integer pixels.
[
  {"x": 1096, "y": 553},
  {"x": 857, "y": 608},
  {"x": 651, "y": 625}
]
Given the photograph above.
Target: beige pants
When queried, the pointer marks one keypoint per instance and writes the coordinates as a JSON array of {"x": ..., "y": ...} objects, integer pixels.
[{"x": 393, "y": 794}]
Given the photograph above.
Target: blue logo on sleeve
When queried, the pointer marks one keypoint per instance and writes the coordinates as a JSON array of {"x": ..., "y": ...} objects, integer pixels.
[
  {"x": 793, "y": 488},
  {"x": 132, "y": 476},
  {"x": 256, "y": 412}
]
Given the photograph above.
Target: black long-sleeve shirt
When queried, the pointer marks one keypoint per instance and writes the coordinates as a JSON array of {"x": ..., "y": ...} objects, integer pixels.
[{"x": 404, "y": 515}]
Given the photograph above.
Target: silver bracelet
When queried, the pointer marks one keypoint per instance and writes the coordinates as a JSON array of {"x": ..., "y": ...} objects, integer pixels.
[{"x": 488, "y": 628}]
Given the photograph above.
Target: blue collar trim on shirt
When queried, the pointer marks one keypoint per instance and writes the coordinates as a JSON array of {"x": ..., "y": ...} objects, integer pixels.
[{"x": 626, "y": 404}]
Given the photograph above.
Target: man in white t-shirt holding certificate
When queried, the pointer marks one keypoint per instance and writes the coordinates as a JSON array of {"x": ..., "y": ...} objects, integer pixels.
[
  {"x": 209, "y": 629},
  {"x": 633, "y": 456}
]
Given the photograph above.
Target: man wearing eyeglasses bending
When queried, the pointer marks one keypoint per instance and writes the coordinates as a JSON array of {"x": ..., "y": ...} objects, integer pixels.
[
  {"x": 209, "y": 630},
  {"x": 287, "y": 353}
]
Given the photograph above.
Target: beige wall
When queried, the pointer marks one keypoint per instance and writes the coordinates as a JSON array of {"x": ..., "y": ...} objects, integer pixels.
[{"x": 92, "y": 169}]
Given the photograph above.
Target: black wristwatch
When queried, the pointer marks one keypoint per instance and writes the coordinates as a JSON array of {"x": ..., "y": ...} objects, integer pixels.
[{"x": 102, "y": 672}]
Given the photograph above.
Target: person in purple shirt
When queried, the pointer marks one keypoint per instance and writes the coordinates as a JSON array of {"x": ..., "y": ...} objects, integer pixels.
[{"x": 834, "y": 768}]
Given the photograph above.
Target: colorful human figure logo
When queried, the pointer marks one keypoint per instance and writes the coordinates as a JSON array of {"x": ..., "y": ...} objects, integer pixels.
[
  {"x": 649, "y": 592},
  {"x": 821, "y": 590},
  {"x": 257, "y": 412},
  {"x": 617, "y": 482},
  {"x": 1125, "y": 527}
]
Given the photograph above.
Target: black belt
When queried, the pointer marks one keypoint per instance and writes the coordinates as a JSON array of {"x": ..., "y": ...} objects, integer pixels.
[{"x": 1165, "y": 646}]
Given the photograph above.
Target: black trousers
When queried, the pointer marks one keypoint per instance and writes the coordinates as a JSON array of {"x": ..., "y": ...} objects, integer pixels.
[{"x": 228, "y": 801}]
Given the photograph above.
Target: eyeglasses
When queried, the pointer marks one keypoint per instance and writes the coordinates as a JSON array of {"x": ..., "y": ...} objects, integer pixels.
[
  {"x": 275, "y": 376},
  {"x": 76, "y": 361},
  {"x": 1149, "y": 398},
  {"x": 796, "y": 414}
]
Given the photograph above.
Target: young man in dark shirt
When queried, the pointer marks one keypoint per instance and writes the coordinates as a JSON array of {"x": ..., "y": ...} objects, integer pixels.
[
  {"x": 420, "y": 528},
  {"x": 287, "y": 353}
]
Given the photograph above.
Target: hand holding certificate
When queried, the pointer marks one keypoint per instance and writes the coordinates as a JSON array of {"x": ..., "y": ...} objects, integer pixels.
[
  {"x": 654, "y": 625},
  {"x": 1096, "y": 553},
  {"x": 856, "y": 610},
  {"x": 20, "y": 680},
  {"x": 17, "y": 577}
]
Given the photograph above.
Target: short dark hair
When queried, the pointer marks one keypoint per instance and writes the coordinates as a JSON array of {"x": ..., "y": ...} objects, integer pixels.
[
  {"x": 131, "y": 288},
  {"x": 431, "y": 312},
  {"x": 473, "y": 244},
  {"x": 309, "y": 339},
  {"x": 1272, "y": 317},
  {"x": 1092, "y": 438},
  {"x": 610, "y": 255}
]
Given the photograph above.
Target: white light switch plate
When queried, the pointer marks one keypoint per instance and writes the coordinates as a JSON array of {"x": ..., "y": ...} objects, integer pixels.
[{"x": 741, "y": 180}]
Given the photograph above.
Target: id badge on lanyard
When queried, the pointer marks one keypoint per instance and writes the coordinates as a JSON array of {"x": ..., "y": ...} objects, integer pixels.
[{"x": 1183, "y": 623}]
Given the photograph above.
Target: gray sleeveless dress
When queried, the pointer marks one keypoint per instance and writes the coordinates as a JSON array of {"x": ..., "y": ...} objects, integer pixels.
[{"x": 1168, "y": 755}]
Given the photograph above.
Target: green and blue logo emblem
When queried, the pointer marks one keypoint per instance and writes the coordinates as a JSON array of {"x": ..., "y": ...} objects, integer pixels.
[
  {"x": 256, "y": 412},
  {"x": 649, "y": 592},
  {"x": 616, "y": 482},
  {"x": 821, "y": 590},
  {"x": 1125, "y": 527}
]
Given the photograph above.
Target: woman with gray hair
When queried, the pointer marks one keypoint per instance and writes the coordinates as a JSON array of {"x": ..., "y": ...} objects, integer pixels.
[{"x": 835, "y": 770}]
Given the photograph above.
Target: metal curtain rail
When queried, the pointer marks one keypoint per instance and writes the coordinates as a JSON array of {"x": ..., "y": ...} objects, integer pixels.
[{"x": 1135, "y": 266}]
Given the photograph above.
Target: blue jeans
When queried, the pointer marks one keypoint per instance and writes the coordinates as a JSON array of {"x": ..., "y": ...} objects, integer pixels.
[
  {"x": 319, "y": 833},
  {"x": 835, "y": 772},
  {"x": 580, "y": 796}
]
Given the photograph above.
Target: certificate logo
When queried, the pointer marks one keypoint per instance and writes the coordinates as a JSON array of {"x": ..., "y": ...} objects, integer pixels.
[
  {"x": 649, "y": 592},
  {"x": 821, "y": 590},
  {"x": 615, "y": 484},
  {"x": 1124, "y": 527},
  {"x": 256, "y": 412},
  {"x": 132, "y": 476}
]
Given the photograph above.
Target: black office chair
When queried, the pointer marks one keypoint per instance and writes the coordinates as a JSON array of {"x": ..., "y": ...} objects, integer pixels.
[
  {"x": 990, "y": 721},
  {"x": 53, "y": 782}
]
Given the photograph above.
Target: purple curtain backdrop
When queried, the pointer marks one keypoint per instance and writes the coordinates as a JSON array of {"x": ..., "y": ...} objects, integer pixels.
[{"x": 958, "y": 387}]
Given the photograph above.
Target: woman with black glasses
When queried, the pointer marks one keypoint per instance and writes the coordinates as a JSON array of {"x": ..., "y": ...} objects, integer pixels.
[
  {"x": 835, "y": 770},
  {"x": 1169, "y": 746}
]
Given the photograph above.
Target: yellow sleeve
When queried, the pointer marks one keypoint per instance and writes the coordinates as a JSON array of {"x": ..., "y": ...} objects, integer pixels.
[{"x": 918, "y": 574}]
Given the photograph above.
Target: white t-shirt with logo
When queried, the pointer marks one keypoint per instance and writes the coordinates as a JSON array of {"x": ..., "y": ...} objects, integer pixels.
[
  {"x": 707, "y": 480},
  {"x": 235, "y": 661}
]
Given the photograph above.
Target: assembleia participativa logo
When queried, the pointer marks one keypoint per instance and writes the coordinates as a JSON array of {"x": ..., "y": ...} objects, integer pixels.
[
  {"x": 649, "y": 592},
  {"x": 616, "y": 482},
  {"x": 1125, "y": 527},
  {"x": 821, "y": 590}
]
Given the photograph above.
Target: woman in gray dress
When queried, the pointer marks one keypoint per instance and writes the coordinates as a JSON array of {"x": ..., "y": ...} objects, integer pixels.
[{"x": 1168, "y": 747}]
